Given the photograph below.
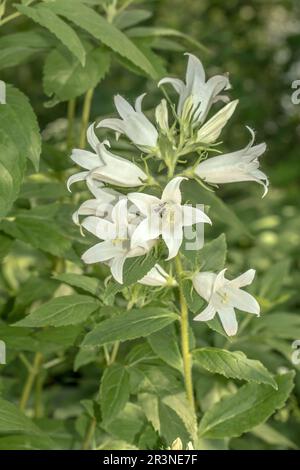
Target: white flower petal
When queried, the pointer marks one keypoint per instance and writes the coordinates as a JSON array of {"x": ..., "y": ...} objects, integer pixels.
[
  {"x": 148, "y": 229},
  {"x": 243, "y": 301},
  {"x": 144, "y": 202},
  {"x": 116, "y": 268},
  {"x": 203, "y": 284},
  {"x": 212, "y": 129},
  {"x": 123, "y": 107},
  {"x": 192, "y": 215},
  {"x": 177, "y": 84},
  {"x": 101, "y": 228},
  {"x": 92, "y": 138},
  {"x": 85, "y": 159},
  {"x": 172, "y": 234},
  {"x": 100, "y": 252},
  {"x": 244, "y": 279},
  {"x": 228, "y": 320},
  {"x": 138, "y": 103},
  {"x": 114, "y": 124},
  {"x": 195, "y": 74},
  {"x": 172, "y": 192},
  {"x": 75, "y": 178},
  {"x": 207, "y": 314}
]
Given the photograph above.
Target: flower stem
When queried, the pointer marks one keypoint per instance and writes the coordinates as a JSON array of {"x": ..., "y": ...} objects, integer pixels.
[
  {"x": 89, "y": 435},
  {"x": 71, "y": 116},
  {"x": 30, "y": 380},
  {"x": 187, "y": 364},
  {"x": 85, "y": 116}
]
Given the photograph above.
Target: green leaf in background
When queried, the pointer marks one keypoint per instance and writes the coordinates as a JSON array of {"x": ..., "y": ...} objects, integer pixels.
[
  {"x": 66, "y": 78},
  {"x": 86, "y": 283},
  {"x": 5, "y": 245},
  {"x": 17, "y": 48},
  {"x": 250, "y": 406},
  {"x": 114, "y": 391},
  {"x": 37, "y": 228},
  {"x": 271, "y": 283},
  {"x": 19, "y": 139},
  {"x": 126, "y": 19},
  {"x": 12, "y": 168},
  {"x": 272, "y": 436},
  {"x": 61, "y": 311},
  {"x": 280, "y": 325},
  {"x": 212, "y": 256},
  {"x": 148, "y": 31},
  {"x": 195, "y": 193},
  {"x": 45, "y": 16},
  {"x": 134, "y": 270},
  {"x": 108, "y": 34},
  {"x": 234, "y": 365},
  {"x": 165, "y": 344},
  {"x": 130, "y": 325},
  {"x": 12, "y": 420}
]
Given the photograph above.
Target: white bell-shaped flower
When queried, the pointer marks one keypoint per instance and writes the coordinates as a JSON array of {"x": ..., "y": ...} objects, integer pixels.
[
  {"x": 234, "y": 167},
  {"x": 223, "y": 296},
  {"x": 158, "y": 277},
  {"x": 133, "y": 123},
  {"x": 202, "y": 93},
  {"x": 115, "y": 247},
  {"x": 165, "y": 216},
  {"x": 105, "y": 166}
]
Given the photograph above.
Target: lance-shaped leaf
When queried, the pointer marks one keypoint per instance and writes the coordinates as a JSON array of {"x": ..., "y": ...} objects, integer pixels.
[
  {"x": 89, "y": 20},
  {"x": 61, "y": 311},
  {"x": 66, "y": 78},
  {"x": 46, "y": 17},
  {"x": 134, "y": 324},
  {"x": 114, "y": 391},
  {"x": 250, "y": 406},
  {"x": 234, "y": 365}
]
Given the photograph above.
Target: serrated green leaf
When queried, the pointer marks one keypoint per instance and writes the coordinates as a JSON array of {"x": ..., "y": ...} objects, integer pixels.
[
  {"x": 134, "y": 324},
  {"x": 17, "y": 48},
  {"x": 114, "y": 391},
  {"x": 101, "y": 29},
  {"x": 134, "y": 270},
  {"x": 61, "y": 311},
  {"x": 38, "y": 229},
  {"x": 165, "y": 344},
  {"x": 66, "y": 78},
  {"x": 250, "y": 406},
  {"x": 234, "y": 365},
  {"x": 86, "y": 283},
  {"x": 46, "y": 17}
]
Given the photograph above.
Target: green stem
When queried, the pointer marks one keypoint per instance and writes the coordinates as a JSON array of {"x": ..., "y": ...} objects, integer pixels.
[
  {"x": 187, "y": 363},
  {"x": 30, "y": 380},
  {"x": 13, "y": 15},
  {"x": 85, "y": 116},
  {"x": 89, "y": 435},
  {"x": 114, "y": 352},
  {"x": 71, "y": 117}
]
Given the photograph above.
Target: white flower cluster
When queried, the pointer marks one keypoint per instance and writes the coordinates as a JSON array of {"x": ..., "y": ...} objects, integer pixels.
[{"x": 131, "y": 225}]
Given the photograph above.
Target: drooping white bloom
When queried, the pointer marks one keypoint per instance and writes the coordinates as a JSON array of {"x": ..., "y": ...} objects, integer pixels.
[
  {"x": 157, "y": 277},
  {"x": 165, "y": 216},
  {"x": 242, "y": 165},
  {"x": 211, "y": 130},
  {"x": 133, "y": 123},
  {"x": 104, "y": 165},
  {"x": 203, "y": 93},
  {"x": 101, "y": 206},
  {"x": 115, "y": 247},
  {"x": 223, "y": 296}
]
